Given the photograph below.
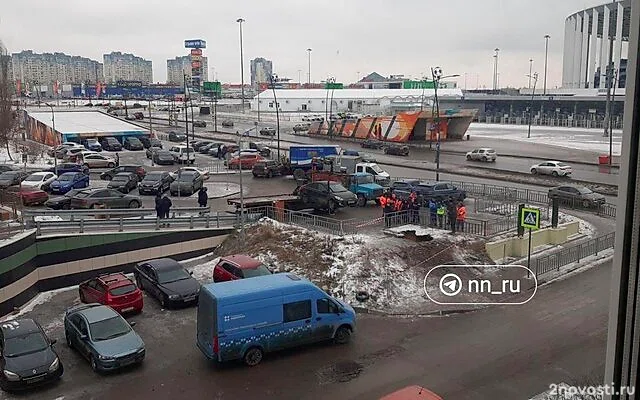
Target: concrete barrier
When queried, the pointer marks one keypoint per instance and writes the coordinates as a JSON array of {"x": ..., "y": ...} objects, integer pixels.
[{"x": 519, "y": 246}]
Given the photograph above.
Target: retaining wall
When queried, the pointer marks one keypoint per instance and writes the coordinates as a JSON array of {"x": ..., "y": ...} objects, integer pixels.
[{"x": 519, "y": 246}]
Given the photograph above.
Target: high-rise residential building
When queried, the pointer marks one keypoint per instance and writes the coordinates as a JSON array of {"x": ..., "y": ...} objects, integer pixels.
[
  {"x": 126, "y": 67},
  {"x": 261, "y": 70},
  {"x": 46, "y": 68},
  {"x": 179, "y": 66}
]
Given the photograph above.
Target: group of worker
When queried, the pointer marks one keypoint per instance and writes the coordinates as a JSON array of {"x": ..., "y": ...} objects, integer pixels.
[{"x": 442, "y": 214}]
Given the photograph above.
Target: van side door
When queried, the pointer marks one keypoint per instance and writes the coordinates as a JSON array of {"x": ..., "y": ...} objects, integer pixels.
[
  {"x": 325, "y": 320},
  {"x": 296, "y": 321}
]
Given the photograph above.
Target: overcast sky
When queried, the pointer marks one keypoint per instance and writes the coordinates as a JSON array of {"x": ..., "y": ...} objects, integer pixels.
[{"x": 348, "y": 37}]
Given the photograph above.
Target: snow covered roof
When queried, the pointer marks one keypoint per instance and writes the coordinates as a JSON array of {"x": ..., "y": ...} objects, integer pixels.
[
  {"x": 363, "y": 94},
  {"x": 68, "y": 122}
]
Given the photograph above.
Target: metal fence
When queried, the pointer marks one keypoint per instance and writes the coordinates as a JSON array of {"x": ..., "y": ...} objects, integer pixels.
[
  {"x": 11, "y": 202},
  {"x": 552, "y": 262}
]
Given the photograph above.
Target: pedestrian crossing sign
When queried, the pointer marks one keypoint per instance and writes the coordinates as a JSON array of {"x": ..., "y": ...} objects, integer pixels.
[{"x": 530, "y": 218}]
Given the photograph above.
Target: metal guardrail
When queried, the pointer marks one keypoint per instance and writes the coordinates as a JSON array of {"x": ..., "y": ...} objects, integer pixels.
[
  {"x": 553, "y": 261},
  {"x": 29, "y": 215}
]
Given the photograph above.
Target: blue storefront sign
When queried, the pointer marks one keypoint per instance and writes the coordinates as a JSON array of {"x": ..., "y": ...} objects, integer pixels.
[{"x": 195, "y": 44}]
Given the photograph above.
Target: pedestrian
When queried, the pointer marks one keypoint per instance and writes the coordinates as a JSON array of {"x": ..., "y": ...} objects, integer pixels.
[
  {"x": 202, "y": 197},
  {"x": 452, "y": 213},
  {"x": 433, "y": 212},
  {"x": 166, "y": 208},
  {"x": 117, "y": 159},
  {"x": 219, "y": 153},
  {"x": 461, "y": 216},
  {"x": 441, "y": 211},
  {"x": 414, "y": 206},
  {"x": 159, "y": 212},
  {"x": 388, "y": 209}
]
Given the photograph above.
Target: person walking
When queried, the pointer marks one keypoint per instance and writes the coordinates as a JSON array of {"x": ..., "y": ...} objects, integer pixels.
[
  {"x": 441, "y": 211},
  {"x": 166, "y": 208},
  {"x": 388, "y": 209},
  {"x": 117, "y": 159},
  {"x": 414, "y": 206},
  {"x": 452, "y": 213},
  {"x": 461, "y": 216},
  {"x": 433, "y": 213},
  {"x": 159, "y": 211},
  {"x": 202, "y": 197}
]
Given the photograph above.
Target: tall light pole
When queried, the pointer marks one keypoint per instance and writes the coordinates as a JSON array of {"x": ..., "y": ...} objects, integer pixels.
[
  {"x": 275, "y": 100},
  {"x": 299, "y": 74},
  {"x": 55, "y": 136},
  {"x": 436, "y": 75},
  {"x": 535, "y": 81},
  {"x": 530, "y": 71},
  {"x": 309, "y": 71},
  {"x": 240, "y": 21},
  {"x": 495, "y": 69},
  {"x": 546, "y": 55}
]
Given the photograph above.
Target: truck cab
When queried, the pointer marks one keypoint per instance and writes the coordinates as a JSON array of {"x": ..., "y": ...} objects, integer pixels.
[
  {"x": 363, "y": 185},
  {"x": 380, "y": 176},
  {"x": 357, "y": 164}
]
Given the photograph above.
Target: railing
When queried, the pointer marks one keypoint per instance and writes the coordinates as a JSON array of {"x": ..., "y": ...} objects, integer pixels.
[
  {"x": 10, "y": 228},
  {"x": 472, "y": 226},
  {"x": 29, "y": 215},
  {"x": 553, "y": 261},
  {"x": 11, "y": 202}
]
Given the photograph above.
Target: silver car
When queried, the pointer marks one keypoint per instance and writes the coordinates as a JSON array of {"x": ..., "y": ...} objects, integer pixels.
[{"x": 482, "y": 154}]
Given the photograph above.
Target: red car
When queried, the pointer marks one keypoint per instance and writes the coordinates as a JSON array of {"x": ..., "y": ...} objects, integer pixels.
[
  {"x": 238, "y": 266},
  {"x": 248, "y": 161},
  {"x": 414, "y": 392},
  {"x": 29, "y": 195},
  {"x": 114, "y": 290}
]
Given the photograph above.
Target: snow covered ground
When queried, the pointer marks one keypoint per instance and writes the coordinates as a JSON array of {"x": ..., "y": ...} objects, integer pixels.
[
  {"x": 222, "y": 189},
  {"x": 573, "y": 138},
  {"x": 43, "y": 161}
]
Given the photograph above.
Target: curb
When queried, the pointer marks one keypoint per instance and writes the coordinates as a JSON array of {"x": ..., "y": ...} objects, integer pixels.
[{"x": 436, "y": 313}]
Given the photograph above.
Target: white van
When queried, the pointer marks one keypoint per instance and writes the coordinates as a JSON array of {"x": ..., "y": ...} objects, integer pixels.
[{"x": 183, "y": 154}]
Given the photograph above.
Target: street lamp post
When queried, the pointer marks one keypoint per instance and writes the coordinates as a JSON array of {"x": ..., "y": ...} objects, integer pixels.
[
  {"x": 275, "y": 101},
  {"x": 495, "y": 69},
  {"x": 530, "y": 71},
  {"x": 55, "y": 136},
  {"x": 436, "y": 75},
  {"x": 240, "y": 21},
  {"x": 546, "y": 54},
  {"x": 535, "y": 81},
  {"x": 309, "y": 71},
  {"x": 241, "y": 187}
]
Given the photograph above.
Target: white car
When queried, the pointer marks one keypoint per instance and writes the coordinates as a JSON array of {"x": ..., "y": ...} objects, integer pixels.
[
  {"x": 203, "y": 172},
  {"x": 40, "y": 180},
  {"x": 482, "y": 154},
  {"x": 555, "y": 168},
  {"x": 180, "y": 154}
]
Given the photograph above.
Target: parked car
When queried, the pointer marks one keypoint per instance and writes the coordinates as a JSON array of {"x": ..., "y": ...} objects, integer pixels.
[
  {"x": 554, "y": 168},
  {"x": 39, "y": 180},
  {"x": 267, "y": 169},
  {"x": 413, "y": 392},
  {"x": 68, "y": 167},
  {"x": 57, "y": 150},
  {"x": 98, "y": 161},
  {"x": 183, "y": 154},
  {"x": 482, "y": 154},
  {"x": 403, "y": 187},
  {"x": 177, "y": 137},
  {"x": 372, "y": 144},
  {"x": 301, "y": 127},
  {"x": 148, "y": 142},
  {"x": 440, "y": 191},
  {"x": 353, "y": 153},
  {"x": 198, "y": 144},
  {"x": 138, "y": 115},
  {"x": 203, "y": 172},
  {"x": 577, "y": 195},
  {"x": 92, "y": 144},
  {"x": 73, "y": 154},
  {"x": 162, "y": 157},
  {"x": 11, "y": 178},
  {"x": 227, "y": 123},
  {"x": 244, "y": 161},
  {"x": 132, "y": 143},
  {"x": 168, "y": 281},
  {"x": 326, "y": 195},
  {"x": 137, "y": 169},
  {"x": 186, "y": 183},
  {"x": 268, "y": 131},
  {"x": 130, "y": 117},
  {"x": 29, "y": 196},
  {"x": 27, "y": 358},
  {"x": 113, "y": 290},
  {"x": 110, "y": 143},
  {"x": 155, "y": 182},
  {"x": 5, "y": 168},
  {"x": 263, "y": 149},
  {"x": 124, "y": 182},
  {"x": 199, "y": 124},
  {"x": 397, "y": 150},
  {"x": 103, "y": 337},
  {"x": 110, "y": 198},
  {"x": 61, "y": 202},
  {"x": 238, "y": 266},
  {"x": 205, "y": 149},
  {"x": 68, "y": 181}
]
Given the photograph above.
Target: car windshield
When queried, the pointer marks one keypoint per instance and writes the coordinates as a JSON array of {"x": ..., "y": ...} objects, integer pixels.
[
  {"x": 364, "y": 179},
  {"x": 337, "y": 188},
  {"x": 153, "y": 177},
  {"x": 376, "y": 168},
  {"x": 24, "y": 344},
  {"x": 120, "y": 290},
  {"x": 186, "y": 177},
  {"x": 109, "y": 328},
  {"x": 81, "y": 195},
  {"x": 33, "y": 178},
  {"x": 563, "y": 165},
  {"x": 74, "y": 192},
  {"x": 120, "y": 178},
  {"x": 584, "y": 190},
  {"x": 65, "y": 177},
  {"x": 8, "y": 175},
  {"x": 173, "y": 275},
  {"x": 259, "y": 271}
]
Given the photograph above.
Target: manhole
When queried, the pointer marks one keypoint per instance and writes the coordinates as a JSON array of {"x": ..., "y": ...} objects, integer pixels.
[{"x": 340, "y": 372}]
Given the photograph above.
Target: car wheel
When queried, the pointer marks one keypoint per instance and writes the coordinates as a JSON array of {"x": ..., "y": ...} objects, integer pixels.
[
  {"x": 362, "y": 201},
  {"x": 332, "y": 206},
  {"x": 163, "y": 302},
  {"x": 139, "y": 283},
  {"x": 66, "y": 206},
  {"x": 82, "y": 298},
  {"x": 385, "y": 151},
  {"x": 468, "y": 157},
  {"x": 111, "y": 165},
  {"x": 69, "y": 342},
  {"x": 270, "y": 174},
  {"x": 305, "y": 199},
  {"x": 94, "y": 364},
  {"x": 554, "y": 173},
  {"x": 134, "y": 204},
  {"x": 484, "y": 159},
  {"x": 108, "y": 177},
  {"x": 343, "y": 335},
  {"x": 253, "y": 356},
  {"x": 534, "y": 171},
  {"x": 586, "y": 204}
]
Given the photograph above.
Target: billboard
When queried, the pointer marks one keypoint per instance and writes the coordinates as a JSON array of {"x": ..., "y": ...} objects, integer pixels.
[
  {"x": 196, "y": 68},
  {"x": 212, "y": 87},
  {"x": 195, "y": 44}
]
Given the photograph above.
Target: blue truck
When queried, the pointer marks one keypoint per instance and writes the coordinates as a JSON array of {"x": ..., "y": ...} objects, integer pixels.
[
  {"x": 364, "y": 186},
  {"x": 301, "y": 157},
  {"x": 246, "y": 318}
]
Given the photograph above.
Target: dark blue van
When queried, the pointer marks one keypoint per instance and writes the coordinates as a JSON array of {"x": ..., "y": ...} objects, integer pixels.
[{"x": 243, "y": 319}]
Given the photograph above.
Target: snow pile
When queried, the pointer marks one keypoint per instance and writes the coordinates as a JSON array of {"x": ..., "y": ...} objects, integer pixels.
[{"x": 33, "y": 161}]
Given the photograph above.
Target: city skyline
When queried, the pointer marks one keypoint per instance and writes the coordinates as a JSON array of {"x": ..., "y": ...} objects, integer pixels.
[{"x": 344, "y": 49}]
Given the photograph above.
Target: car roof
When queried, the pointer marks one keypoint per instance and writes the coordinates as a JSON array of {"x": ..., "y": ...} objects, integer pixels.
[
  {"x": 95, "y": 312},
  {"x": 19, "y": 327},
  {"x": 162, "y": 264},
  {"x": 242, "y": 261},
  {"x": 125, "y": 174},
  {"x": 71, "y": 173},
  {"x": 413, "y": 392},
  {"x": 41, "y": 173},
  {"x": 411, "y": 181},
  {"x": 245, "y": 287},
  {"x": 115, "y": 279}
]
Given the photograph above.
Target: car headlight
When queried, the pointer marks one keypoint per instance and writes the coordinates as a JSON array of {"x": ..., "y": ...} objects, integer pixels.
[
  {"x": 11, "y": 375},
  {"x": 54, "y": 365},
  {"x": 141, "y": 350},
  {"x": 104, "y": 358},
  {"x": 174, "y": 297}
]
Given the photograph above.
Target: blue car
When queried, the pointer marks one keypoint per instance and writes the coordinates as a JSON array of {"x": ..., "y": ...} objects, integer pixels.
[
  {"x": 68, "y": 167},
  {"x": 103, "y": 337},
  {"x": 69, "y": 181},
  {"x": 92, "y": 144}
]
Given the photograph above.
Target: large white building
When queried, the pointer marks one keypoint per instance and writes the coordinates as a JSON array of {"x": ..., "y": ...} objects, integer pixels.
[
  {"x": 365, "y": 101},
  {"x": 179, "y": 66},
  {"x": 47, "y": 68},
  {"x": 126, "y": 67},
  {"x": 587, "y": 45}
]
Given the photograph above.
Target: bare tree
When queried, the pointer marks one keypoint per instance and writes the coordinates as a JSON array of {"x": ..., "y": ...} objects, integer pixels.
[{"x": 7, "y": 115}]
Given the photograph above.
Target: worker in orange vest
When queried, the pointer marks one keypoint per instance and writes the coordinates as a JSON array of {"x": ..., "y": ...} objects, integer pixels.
[{"x": 461, "y": 215}]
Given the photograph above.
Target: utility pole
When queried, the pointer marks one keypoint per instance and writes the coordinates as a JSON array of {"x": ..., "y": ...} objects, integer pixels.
[
  {"x": 530, "y": 71},
  {"x": 240, "y": 21},
  {"x": 186, "y": 118},
  {"x": 546, "y": 56},
  {"x": 309, "y": 73},
  {"x": 495, "y": 69},
  {"x": 535, "y": 81},
  {"x": 55, "y": 141},
  {"x": 241, "y": 187},
  {"x": 608, "y": 82},
  {"x": 612, "y": 103},
  {"x": 275, "y": 100},
  {"x": 436, "y": 75}
]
